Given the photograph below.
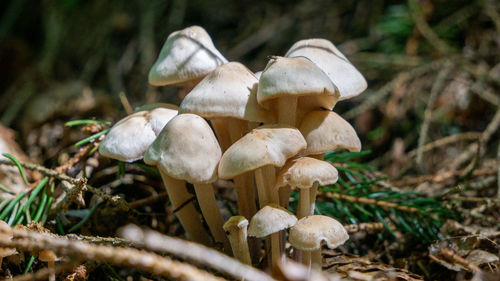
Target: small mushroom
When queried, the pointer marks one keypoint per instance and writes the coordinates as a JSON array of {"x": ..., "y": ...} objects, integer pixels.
[
  {"x": 49, "y": 257},
  {"x": 323, "y": 53},
  {"x": 309, "y": 232},
  {"x": 236, "y": 231},
  {"x": 305, "y": 173},
  {"x": 269, "y": 221},
  {"x": 262, "y": 150}
]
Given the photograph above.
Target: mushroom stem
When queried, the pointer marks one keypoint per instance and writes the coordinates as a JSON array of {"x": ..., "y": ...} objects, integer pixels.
[
  {"x": 237, "y": 234},
  {"x": 306, "y": 258},
  {"x": 276, "y": 254},
  {"x": 50, "y": 265},
  {"x": 187, "y": 214},
  {"x": 287, "y": 107},
  {"x": 316, "y": 259},
  {"x": 312, "y": 198},
  {"x": 265, "y": 178},
  {"x": 304, "y": 203},
  {"x": 284, "y": 196},
  {"x": 222, "y": 133},
  {"x": 211, "y": 213}
]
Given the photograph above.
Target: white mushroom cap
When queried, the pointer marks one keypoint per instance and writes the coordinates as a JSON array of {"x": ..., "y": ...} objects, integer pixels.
[
  {"x": 228, "y": 91},
  {"x": 266, "y": 145},
  {"x": 322, "y": 52},
  {"x": 130, "y": 137},
  {"x": 187, "y": 54},
  {"x": 308, "y": 233},
  {"x": 296, "y": 77},
  {"x": 305, "y": 171},
  {"x": 186, "y": 149},
  {"x": 326, "y": 131},
  {"x": 270, "y": 219}
]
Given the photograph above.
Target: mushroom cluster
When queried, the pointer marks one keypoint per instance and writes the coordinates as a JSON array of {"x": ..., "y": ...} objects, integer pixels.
[{"x": 267, "y": 134}]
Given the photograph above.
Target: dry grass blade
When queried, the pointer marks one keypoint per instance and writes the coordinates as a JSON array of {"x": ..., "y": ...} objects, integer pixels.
[{"x": 194, "y": 252}]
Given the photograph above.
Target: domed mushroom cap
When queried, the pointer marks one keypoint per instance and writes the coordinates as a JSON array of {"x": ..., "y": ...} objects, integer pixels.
[
  {"x": 235, "y": 223},
  {"x": 226, "y": 92},
  {"x": 296, "y": 77},
  {"x": 186, "y": 149},
  {"x": 305, "y": 171},
  {"x": 308, "y": 233},
  {"x": 323, "y": 53},
  {"x": 187, "y": 54},
  {"x": 326, "y": 131},
  {"x": 266, "y": 145},
  {"x": 129, "y": 138},
  {"x": 270, "y": 219}
]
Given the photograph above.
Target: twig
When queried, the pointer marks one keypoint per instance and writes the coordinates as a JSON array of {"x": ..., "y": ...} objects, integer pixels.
[
  {"x": 441, "y": 177},
  {"x": 369, "y": 227},
  {"x": 454, "y": 258},
  {"x": 362, "y": 200},
  {"x": 447, "y": 140},
  {"x": 44, "y": 273},
  {"x": 436, "y": 89},
  {"x": 31, "y": 241},
  {"x": 115, "y": 200},
  {"x": 424, "y": 28},
  {"x": 194, "y": 252},
  {"x": 148, "y": 200}
]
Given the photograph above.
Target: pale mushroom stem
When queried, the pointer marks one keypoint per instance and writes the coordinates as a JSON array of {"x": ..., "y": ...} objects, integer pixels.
[
  {"x": 284, "y": 196},
  {"x": 221, "y": 132},
  {"x": 316, "y": 259},
  {"x": 187, "y": 215},
  {"x": 239, "y": 244},
  {"x": 304, "y": 203},
  {"x": 51, "y": 265},
  {"x": 276, "y": 253},
  {"x": 313, "y": 191},
  {"x": 306, "y": 258},
  {"x": 211, "y": 213},
  {"x": 265, "y": 178},
  {"x": 244, "y": 183},
  {"x": 287, "y": 108}
]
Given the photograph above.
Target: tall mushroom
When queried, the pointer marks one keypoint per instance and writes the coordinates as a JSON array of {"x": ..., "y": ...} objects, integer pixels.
[
  {"x": 225, "y": 97},
  {"x": 305, "y": 173},
  {"x": 187, "y": 149},
  {"x": 187, "y": 56},
  {"x": 261, "y": 150},
  {"x": 294, "y": 86},
  {"x": 269, "y": 221},
  {"x": 323, "y": 53},
  {"x": 309, "y": 232}
]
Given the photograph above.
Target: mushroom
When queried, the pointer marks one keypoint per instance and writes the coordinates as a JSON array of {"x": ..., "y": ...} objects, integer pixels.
[
  {"x": 129, "y": 138},
  {"x": 236, "y": 231},
  {"x": 7, "y": 235},
  {"x": 225, "y": 97},
  {"x": 49, "y": 257},
  {"x": 263, "y": 149},
  {"x": 187, "y": 56},
  {"x": 326, "y": 56},
  {"x": 305, "y": 173},
  {"x": 186, "y": 149},
  {"x": 309, "y": 232},
  {"x": 294, "y": 86},
  {"x": 269, "y": 221}
]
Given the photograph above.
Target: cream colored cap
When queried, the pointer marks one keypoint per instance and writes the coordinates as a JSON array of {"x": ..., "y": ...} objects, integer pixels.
[
  {"x": 235, "y": 223},
  {"x": 227, "y": 92},
  {"x": 266, "y": 145},
  {"x": 129, "y": 138},
  {"x": 308, "y": 233},
  {"x": 322, "y": 52},
  {"x": 326, "y": 131},
  {"x": 186, "y": 149},
  {"x": 270, "y": 219},
  {"x": 296, "y": 77},
  {"x": 188, "y": 54},
  {"x": 305, "y": 171}
]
